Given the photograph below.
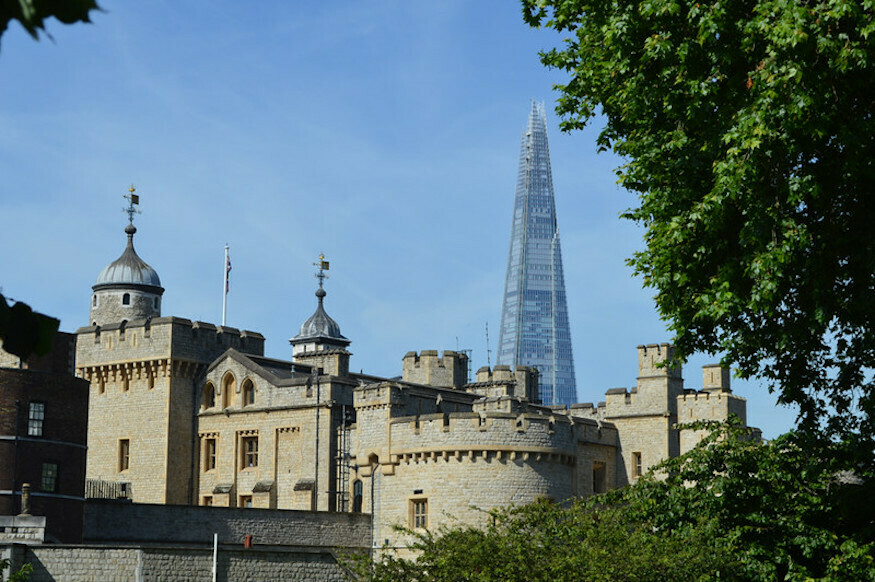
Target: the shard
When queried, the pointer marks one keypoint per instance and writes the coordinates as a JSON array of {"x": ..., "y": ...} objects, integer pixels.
[{"x": 534, "y": 317}]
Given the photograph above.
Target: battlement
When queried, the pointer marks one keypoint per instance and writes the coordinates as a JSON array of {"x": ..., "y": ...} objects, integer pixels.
[
  {"x": 710, "y": 405},
  {"x": 502, "y": 381},
  {"x": 715, "y": 378},
  {"x": 497, "y": 430},
  {"x": 378, "y": 395},
  {"x": 162, "y": 337},
  {"x": 652, "y": 361},
  {"x": 493, "y": 430},
  {"x": 588, "y": 410},
  {"x": 426, "y": 367}
]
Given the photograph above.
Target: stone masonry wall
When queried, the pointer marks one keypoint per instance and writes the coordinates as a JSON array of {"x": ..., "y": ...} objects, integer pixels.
[
  {"x": 465, "y": 464},
  {"x": 283, "y": 420},
  {"x": 109, "y": 521},
  {"x": 707, "y": 406},
  {"x": 107, "y": 305},
  {"x": 142, "y": 393},
  {"x": 178, "y": 564}
]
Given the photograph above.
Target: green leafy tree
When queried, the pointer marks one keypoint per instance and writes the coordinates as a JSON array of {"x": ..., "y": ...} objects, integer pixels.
[
  {"x": 788, "y": 506},
  {"x": 732, "y": 508},
  {"x": 545, "y": 542},
  {"x": 32, "y": 14},
  {"x": 23, "y": 331},
  {"x": 748, "y": 131},
  {"x": 21, "y": 575}
]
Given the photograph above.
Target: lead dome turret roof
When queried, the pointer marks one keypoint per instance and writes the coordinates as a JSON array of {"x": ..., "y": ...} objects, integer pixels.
[
  {"x": 129, "y": 268},
  {"x": 320, "y": 324}
]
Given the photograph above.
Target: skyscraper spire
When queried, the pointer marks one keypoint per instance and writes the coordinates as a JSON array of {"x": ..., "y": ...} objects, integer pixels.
[{"x": 534, "y": 317}]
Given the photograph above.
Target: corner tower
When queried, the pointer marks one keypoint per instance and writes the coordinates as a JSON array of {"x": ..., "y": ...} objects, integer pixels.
[
  {"x": 126, "y": 289},
  {"x": 534, "y": 317}
]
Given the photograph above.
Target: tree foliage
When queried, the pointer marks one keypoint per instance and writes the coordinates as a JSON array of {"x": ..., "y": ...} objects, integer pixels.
[
  {"x": 32, "y": 14},
  {"x": 21, "y": 575},
  {"x": 546, "y": 542},
  {"x": 732, "y": 508},
  {"x": 23, "y": 331},
  {"x": 789, "y": 507},
  {"x": 747, "y": 131}
]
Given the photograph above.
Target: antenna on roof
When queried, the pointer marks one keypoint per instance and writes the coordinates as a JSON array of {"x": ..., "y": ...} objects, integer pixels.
[
  {"x": 133, "y": 200},
  {"x": 488, "y": 351}
]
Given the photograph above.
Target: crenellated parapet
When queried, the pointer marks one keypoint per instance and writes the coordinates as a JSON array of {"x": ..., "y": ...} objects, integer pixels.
[
  {"x": 715, "y": 378},
  {"x": 497, "y": 431},
  {"x": 449, "y": 370},
  {"x": 159, "y": 339},
  {"x": 503, "y": 381},
  {"x": 710, "y": 406},
  {"x": 380, "y": 395}
]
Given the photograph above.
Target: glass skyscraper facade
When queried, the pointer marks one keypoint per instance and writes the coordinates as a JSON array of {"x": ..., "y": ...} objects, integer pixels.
[{"x": 534, "y": 317}]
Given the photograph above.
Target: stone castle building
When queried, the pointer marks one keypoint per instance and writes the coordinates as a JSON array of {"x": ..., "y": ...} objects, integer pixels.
[{"x": 190, "y": 413}]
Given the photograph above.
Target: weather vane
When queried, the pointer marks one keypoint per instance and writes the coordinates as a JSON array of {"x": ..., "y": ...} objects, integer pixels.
[
  {"x": 323, "y": 266},
  {"x": 133, "y": 200}
]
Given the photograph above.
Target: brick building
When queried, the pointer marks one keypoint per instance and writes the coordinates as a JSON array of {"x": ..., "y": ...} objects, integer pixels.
[{"x": 43, "y": 428}]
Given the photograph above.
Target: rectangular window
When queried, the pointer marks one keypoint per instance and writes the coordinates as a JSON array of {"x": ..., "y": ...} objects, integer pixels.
[
  {"x": 209, "y": 454},
  {"x": 124, "y": 454},
  {"x": 36, "y": 415},
  {"x": 207, "y": 500},
  {"x": 49, "y": 479},
  {"x": 418, "y": 513},
  {"x": 249, "y": 450},
  {"x": 245, "y": 501},
  {"x": 636, "y": 465}
]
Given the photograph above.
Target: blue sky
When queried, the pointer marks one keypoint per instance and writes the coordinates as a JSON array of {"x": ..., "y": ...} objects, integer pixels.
[{"x": 383, "y": 134}]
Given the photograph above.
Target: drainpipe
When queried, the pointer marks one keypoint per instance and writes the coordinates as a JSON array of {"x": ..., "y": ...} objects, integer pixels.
[{"x": 15, "y": 509}]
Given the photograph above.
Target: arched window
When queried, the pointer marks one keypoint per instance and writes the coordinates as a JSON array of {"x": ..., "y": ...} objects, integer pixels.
[
  {"x": 208, "y": 398},
  {"x": 248, "y": 390},
  {"x": 126, "y": 299},
  {"x": 357, "y": 496},
  {"x": 228, "y": 387}
]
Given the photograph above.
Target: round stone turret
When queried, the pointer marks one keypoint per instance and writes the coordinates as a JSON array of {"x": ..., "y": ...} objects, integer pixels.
[{"x": 126, "y": 289}]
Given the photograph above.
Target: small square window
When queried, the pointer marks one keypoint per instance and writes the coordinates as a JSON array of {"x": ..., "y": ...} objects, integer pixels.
[
  {"x": 49, "y": 479},
  {"x": 245, "y": 501},
  {"x": 207, "y": 500},
  {"x": 36, "y": 415},
  {"x": 418, "y": 513}
]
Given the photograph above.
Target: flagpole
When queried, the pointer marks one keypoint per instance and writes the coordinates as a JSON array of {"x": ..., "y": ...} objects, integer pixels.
[{"x": 226, "y": 267}]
